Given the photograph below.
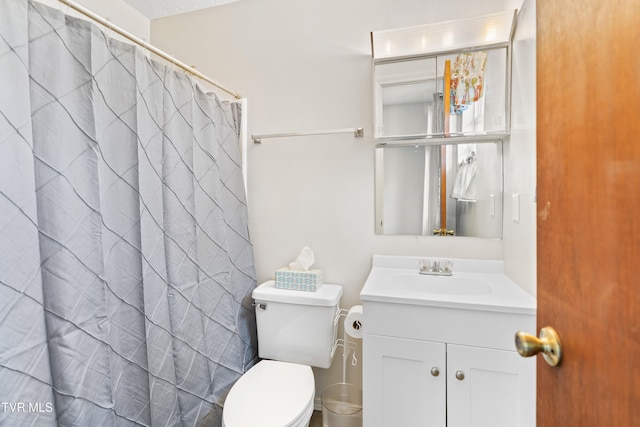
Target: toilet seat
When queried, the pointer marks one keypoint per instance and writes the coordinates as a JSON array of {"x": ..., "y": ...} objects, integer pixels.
[{"x": 271, "y": 394}]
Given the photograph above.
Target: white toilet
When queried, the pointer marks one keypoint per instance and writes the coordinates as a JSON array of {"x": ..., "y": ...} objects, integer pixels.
[{"x": 296, "y": 330}]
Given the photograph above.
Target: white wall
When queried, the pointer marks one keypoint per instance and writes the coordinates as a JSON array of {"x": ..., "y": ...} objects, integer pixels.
[
  {"x": 116, "y": 11},
  {"x": 305, "y": 66},
  {"x": 520, "y": 167}
]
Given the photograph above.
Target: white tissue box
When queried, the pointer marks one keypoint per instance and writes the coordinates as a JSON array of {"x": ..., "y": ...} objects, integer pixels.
[{"x": 309, "y": 281}]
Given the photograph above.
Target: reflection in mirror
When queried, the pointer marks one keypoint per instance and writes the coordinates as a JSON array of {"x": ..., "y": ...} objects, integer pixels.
[
  {"x": 411, "y": 108},
  {"x": 409, "y": 96},
  {"x": 415, "y": 195}
]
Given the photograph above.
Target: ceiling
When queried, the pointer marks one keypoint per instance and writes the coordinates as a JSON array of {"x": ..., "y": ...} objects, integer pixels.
[{"x": 153, "y": 9}]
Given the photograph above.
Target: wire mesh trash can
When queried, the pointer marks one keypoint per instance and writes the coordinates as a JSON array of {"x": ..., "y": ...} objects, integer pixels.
[{"x": 342, "y": 406}]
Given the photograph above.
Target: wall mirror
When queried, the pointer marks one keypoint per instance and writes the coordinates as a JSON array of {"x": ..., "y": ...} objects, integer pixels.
[
  {"x": 453, "y": 189},
  {"x": 442, "y": 103},
  {"x": 416, "y": 98},
  {"x": 444, "y": 79}
]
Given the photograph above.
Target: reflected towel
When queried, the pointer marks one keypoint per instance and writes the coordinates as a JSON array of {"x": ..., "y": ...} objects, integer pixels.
[
  {"x": 467, "y": 80},
  {"x": 464, "y": 188}
]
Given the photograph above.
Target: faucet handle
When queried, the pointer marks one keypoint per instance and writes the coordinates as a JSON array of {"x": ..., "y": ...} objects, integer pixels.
[
  {"x": 446, "y": 266},
  {"x": 426, "y": 265},
  {"x": 442, "y": 232}
]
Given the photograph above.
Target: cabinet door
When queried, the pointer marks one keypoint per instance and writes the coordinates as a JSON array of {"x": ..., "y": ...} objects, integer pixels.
[
  {"x": 498, "y": 388},
  {"x": 399, "y": 388}
]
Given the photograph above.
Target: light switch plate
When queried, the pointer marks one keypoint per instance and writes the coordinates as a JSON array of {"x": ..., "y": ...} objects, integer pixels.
[{"x": 515, "y": 207}]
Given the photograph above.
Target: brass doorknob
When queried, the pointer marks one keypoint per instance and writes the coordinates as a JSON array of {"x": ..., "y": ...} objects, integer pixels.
[{"x": 548, "y": 344}]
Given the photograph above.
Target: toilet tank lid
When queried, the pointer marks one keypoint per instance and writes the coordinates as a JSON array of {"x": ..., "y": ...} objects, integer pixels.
[{"x": 326, "y": 296}]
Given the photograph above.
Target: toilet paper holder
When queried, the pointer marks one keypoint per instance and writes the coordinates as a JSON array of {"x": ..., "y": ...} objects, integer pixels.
[
  {"x": 348, "y": 346},
  {"x": 356, "y": 325}
]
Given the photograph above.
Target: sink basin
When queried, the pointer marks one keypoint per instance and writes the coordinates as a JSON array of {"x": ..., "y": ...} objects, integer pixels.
[
  {"x": 474, "y": 285},
  {"x": 446, "y": 285}
]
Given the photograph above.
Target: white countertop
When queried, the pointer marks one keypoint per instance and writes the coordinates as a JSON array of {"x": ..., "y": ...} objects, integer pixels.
[{"x": 474, "y": 284}]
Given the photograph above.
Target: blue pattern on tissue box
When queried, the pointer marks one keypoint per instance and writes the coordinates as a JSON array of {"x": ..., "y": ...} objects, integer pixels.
[{"x": 309, "y": 281}]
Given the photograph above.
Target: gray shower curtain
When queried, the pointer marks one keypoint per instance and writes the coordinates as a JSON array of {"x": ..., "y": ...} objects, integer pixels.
[{"x": 126, "y": 268}]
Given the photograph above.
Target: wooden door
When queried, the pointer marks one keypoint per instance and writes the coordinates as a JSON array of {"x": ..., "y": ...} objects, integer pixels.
[{"x": 588, "y": 166}]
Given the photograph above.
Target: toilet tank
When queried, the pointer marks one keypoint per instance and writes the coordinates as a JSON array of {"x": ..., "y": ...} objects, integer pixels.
[{"x": 297, "y": 326}]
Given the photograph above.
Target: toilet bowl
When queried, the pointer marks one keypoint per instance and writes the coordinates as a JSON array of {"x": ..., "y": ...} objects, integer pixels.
[
  {"x": 296, "y": 330},
  {"x": 271, "y": 394}
]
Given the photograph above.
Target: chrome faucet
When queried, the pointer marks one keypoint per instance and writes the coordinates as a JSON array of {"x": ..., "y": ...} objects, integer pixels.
[{"x": 438, "y": 268}]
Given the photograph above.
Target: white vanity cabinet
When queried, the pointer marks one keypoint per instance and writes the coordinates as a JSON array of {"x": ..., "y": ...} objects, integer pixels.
[
  {"x": 440, "y": 359},
  {"x": 415, "y": 383},
  {"x": 494, "y": 387},
  {"x": 399, "y": 388}
]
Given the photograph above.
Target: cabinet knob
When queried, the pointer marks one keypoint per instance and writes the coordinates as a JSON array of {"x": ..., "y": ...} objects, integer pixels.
[
  {"x": 435, "y": 371},
  {"x": 460, "y": 375}
]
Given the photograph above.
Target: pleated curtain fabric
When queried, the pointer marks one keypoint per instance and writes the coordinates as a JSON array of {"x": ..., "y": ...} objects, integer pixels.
[{"x": 126, "y": 268}]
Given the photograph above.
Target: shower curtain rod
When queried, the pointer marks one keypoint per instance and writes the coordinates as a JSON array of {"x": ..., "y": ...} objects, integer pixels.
[
  {"x": 86, "y": 12},
  {"x": 357, "y": 132}
]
